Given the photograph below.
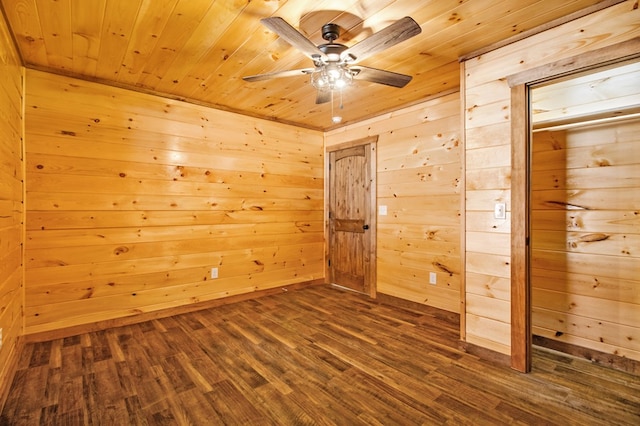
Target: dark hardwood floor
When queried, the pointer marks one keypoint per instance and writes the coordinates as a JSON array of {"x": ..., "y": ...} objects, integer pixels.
[{"x": 312, "y": 356}]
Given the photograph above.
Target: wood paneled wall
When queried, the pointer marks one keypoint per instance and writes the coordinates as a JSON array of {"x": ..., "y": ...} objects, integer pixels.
[
  {"x": 134, "y": 198},
  {"x": 585, "y": 233},
  {"x": 419, "y": 170},
  {"x": 11, "y": 207},
  {"x": 487, "y": 121}
]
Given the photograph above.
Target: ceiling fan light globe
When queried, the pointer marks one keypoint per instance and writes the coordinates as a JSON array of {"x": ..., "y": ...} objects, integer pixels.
[
  {"x": 334, "y": 74},
  {"x": 318, "y": 78}
]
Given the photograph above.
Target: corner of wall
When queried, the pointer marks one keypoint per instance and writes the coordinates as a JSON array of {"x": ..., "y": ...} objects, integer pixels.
[{"x": 12, "y": 212}]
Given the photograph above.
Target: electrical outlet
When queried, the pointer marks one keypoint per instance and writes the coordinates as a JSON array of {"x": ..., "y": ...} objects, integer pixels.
[
  {"x": 214, "y": 273},
  {"x": 432, "y": 278}
]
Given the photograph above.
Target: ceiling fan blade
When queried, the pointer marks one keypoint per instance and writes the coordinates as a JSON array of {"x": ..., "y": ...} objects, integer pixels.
[
  {"x": 323, "y": 96},
  {"x": 375, "y": 75},
  {"x": 278, "y": 74},
  {"x": 395, "y": 33},
  {"x": 293, "y": 37}
]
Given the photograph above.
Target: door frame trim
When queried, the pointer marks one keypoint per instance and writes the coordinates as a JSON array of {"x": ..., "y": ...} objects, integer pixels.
[
  {"x": 520, "y": 172},
  {"x": 371, "y": 175}
]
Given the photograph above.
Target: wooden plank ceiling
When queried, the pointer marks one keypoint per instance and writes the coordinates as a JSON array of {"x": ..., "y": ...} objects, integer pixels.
[{"x": 199, "y": 50}]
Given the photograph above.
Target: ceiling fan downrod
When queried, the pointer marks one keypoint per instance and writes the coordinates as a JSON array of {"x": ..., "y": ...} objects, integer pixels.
[{"x": 330, "y": 32}]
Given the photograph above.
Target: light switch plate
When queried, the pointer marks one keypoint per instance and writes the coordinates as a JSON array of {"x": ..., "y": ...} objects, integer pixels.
[
  {"x": 382, "y": 210},
  {"x": 500, "y": 211}
]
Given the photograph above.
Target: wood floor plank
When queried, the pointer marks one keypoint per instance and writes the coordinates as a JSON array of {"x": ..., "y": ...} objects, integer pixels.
[
  {"x": 40, "y": 355},
  {"x": 283, "y": 409},
  {"x": 231, "y": 405},
  {"x": 314, "y": 356},
  {"x": 135, "y": 412},
  {"x": 382, "y": 403}
]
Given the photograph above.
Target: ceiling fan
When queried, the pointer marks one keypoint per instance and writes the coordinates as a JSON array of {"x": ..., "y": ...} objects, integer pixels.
[{"x": 334, "y": 63}]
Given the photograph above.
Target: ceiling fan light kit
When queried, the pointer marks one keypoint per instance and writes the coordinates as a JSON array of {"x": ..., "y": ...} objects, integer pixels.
[
  {"x": 334, "y": 63},
  {"x": 331, "y": 77}
]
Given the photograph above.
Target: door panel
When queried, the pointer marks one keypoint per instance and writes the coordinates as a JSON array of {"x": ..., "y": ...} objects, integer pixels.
[{"x": 350, "y": 218}]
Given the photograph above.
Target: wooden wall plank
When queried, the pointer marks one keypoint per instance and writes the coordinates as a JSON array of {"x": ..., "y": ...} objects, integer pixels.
[
  {"x": 133, "y": 202},
  {"x": 599, "y": 285},
  {"x": 594, "y": 308},
  {"x": 488, "y": 333},
  {"x": 602, "y": 243},
  {"x": 488, "y": 285},
  {"x": 62, "y": 255},
  {"x": 100, "y": 219},
  {"x": 568, "y": 325},
  {"x": 603, "y": 155},
  {"x": 488, "y": 307},
  {"x": 115, "y": 185},
  {"x": 134, "y": 198},
  {"x": 109, "y": 236}
]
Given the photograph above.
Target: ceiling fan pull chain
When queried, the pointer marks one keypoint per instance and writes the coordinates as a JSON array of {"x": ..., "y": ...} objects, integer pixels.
[
  {"x": 332, "y": 114},
  {"x": 335, "y": 118}
]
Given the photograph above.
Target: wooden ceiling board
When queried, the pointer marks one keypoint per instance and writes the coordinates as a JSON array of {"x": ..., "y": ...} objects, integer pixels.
[
  {"x": 154, "y": 17},
  {"x": 116, "y": 31},
  {"x": 56, "y": 30},
  {"x": 608, "y": 93},
  {"x": 85, "y": 27},
  {"x": 199, "y": 50},
  {"x": 24, "y": 16}
]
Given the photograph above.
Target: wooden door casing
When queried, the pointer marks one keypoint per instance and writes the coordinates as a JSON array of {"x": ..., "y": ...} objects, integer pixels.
[
  {"x": 521, "y": 339},
  {"x": 351, "y": 253}
]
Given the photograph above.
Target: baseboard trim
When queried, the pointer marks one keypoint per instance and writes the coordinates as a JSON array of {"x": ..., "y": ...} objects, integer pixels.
[
  {"x": 44, "y": 336},
  {"x": 9, "y": 371},
  {"x": 485, "y": 354},
  {"x": 615, "y": 362},
  {"x": 452, "y": 317}
]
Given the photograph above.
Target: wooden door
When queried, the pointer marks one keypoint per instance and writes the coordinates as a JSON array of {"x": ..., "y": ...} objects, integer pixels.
[{"x": 351, "y": 254}]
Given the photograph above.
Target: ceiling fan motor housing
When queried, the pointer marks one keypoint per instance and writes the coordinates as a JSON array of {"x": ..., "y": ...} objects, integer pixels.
[{"x": 332, "y": 50}]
